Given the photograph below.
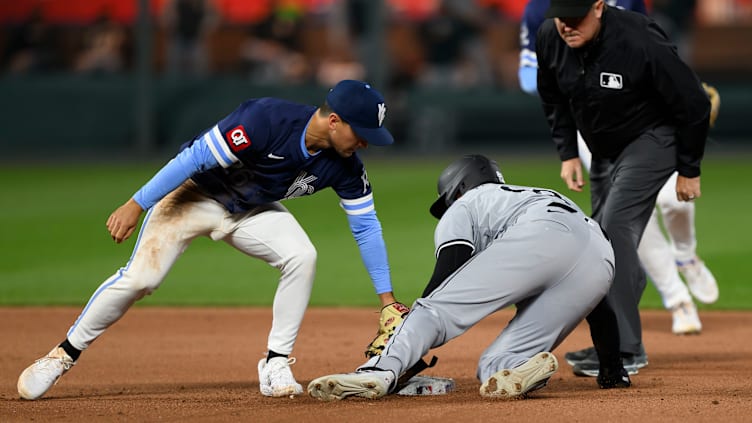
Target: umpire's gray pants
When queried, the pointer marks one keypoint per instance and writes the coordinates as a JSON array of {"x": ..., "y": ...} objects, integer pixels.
[{"x": 623, "y": 193}]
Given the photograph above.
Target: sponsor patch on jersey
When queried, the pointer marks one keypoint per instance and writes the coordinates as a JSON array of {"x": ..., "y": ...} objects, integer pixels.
[
  {"x": 611, "y": 80},
  {"x": 237, "y": 138}
]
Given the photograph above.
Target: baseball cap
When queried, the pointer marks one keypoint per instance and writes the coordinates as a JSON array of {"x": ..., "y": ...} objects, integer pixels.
[
  {"x": 569, "y": 8},
  {"x": 363, "y": 108}
]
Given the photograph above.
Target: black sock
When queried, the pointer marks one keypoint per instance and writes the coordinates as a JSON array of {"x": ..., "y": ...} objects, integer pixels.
[
  {"x": 273, "y": 354},
  {"x": 72, "y": 351}
]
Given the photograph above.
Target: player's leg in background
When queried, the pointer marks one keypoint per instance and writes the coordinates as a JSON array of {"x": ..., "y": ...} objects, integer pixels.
[
  {"x": 679, "y": 221},
  {"x": 584, "y": 153},
  {"x": 657, "y": 258}
]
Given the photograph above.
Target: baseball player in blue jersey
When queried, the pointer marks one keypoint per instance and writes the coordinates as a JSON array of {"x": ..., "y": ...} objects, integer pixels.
[
  {"x": 499, "y": 245},
  {"x": 663, "y": 259},
  {"x": 227, "y": 184}
]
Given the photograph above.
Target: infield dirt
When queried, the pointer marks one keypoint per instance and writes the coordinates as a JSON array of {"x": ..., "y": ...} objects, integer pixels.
[{"x": 199, "y": 364}]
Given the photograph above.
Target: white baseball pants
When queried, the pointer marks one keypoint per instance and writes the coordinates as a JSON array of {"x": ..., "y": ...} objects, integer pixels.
[{"x": 269, "y": 233}]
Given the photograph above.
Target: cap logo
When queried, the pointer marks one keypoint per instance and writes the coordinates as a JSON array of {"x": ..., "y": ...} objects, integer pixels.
[{"x": 382, "y": 113}]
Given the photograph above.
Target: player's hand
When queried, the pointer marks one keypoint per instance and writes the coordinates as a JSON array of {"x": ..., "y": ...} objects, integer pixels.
[
  {"x": 122, "y": 222},
  {"x": 687, "y": 189},
  {"x": 571, "y": 174}
]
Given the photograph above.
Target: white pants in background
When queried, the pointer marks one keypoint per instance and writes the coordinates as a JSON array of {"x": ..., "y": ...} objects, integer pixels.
[{"x": 658, "y": 254}]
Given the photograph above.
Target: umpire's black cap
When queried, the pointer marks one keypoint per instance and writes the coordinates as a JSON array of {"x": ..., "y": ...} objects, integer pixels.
[{"x": 569, "y": 8}]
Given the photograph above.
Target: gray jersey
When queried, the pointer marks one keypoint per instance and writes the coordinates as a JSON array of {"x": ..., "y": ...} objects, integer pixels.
[
  {"x": 487, "y": 211},
  {"x": 532, "y": 248}
]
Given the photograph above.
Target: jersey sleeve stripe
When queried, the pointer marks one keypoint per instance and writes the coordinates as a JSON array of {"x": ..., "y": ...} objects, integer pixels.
[
  {"x": 528, "y": 59},
  {"x": 219, "y": 147},
  {"x": 363, "y": 210},
  {"x": 358, "y": 201},
  {"x": 358, "y": 206},
  {"x": 455, "y": 242}
]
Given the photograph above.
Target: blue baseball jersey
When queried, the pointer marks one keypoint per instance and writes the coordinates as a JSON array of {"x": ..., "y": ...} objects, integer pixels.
[
  {"x": 261, "y": 150},
  {"x": 533, "y": 17}
]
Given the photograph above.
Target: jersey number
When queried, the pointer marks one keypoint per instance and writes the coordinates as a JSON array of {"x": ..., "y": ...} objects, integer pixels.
[{"x": 561, "y": 203}]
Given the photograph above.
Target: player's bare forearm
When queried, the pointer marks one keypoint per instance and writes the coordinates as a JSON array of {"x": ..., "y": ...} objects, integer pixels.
[
  {"x": 571, "y": 174},
  {"x": 387, "y": 298},
  {"x": 687, "y": 189},
  {"x": 122, "y": 222}
]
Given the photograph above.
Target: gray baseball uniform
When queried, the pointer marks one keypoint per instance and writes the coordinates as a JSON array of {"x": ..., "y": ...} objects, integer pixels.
[{"x": 532, "y": 248}]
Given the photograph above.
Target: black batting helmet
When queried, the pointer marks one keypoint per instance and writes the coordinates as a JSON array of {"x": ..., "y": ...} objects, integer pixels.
[{"x": 461, "y": 176}]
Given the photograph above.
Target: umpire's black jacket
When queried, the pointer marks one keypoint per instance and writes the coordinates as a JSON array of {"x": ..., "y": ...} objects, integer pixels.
[{"x": 627, "y": 80}]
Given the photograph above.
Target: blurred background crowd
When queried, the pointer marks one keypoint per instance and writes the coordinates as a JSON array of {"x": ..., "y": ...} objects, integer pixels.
[{"x": 400, "y": 46}]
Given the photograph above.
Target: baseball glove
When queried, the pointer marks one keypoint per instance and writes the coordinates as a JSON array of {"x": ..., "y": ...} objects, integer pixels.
[
  {"x": 715, "y": 102},
  {"x": 391, "y": 317}
]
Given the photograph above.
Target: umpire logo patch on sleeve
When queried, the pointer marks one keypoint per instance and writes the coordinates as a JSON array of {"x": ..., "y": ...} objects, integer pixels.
[
  {"x": 611, "y": 80},
  {"x": 237, "y": 138}
]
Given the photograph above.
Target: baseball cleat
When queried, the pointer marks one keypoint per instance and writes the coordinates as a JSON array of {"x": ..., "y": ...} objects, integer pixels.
[
  {"x": 38, "y": 378},
  {"x": 371, "y": 384},
  {"x": 701, "y": 282},
  {"x": 685, "y": 319},
  {"x": 518, "y": 382},
  {"x": 276, "y": 379}
]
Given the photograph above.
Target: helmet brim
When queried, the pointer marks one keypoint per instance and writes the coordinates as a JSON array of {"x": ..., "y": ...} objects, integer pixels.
[{"x": 439, "y": 207}]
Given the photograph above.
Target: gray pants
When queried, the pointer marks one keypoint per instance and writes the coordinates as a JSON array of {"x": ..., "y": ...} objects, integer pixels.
[
  {"x": 554, "y": 268},
  {"x": 623, "y": 194}
]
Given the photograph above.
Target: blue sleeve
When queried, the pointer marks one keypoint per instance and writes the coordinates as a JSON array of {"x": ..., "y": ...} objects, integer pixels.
[
  {"x": 366, "y": 229},
  {"x": 196, "y": 158},
  {"x": 532, "y": 18},
  {"x": 529, "y": 80}
]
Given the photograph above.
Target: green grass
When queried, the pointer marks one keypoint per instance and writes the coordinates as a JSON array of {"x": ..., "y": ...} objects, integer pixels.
[{"x": 56, "y": 249}]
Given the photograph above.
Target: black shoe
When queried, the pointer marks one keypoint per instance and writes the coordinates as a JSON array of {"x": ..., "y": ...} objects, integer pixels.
[
  {"x": 587, "y": 354},
  {"x": 589, "y": 358},
  {"x": 632, "y": 363},
  {"x": 590, "y": 369},
  {"x": 609, "y": 379}
]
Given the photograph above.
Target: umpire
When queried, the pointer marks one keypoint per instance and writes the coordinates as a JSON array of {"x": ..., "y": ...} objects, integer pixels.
[{"x": 615, "y": 76}]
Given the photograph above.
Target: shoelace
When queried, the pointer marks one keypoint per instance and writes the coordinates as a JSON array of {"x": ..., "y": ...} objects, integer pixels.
[
  {"x": 691, "y": 265},
  {"x": 47, "y": 365},
  {"x": 280, "y": 374}
]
